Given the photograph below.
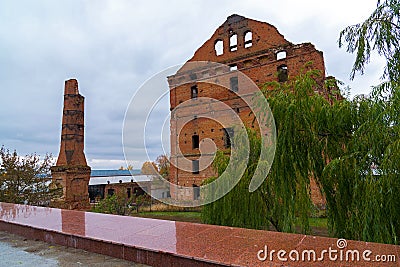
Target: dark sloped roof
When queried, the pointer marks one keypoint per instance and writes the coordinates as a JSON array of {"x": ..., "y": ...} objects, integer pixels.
[{"x": 99, "y": 180}]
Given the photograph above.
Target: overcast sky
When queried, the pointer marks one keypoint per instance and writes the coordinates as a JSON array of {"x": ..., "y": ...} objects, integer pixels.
[{"x": 114, "y": 46}]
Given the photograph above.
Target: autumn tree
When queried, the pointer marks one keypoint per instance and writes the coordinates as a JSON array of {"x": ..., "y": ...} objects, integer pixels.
[
  {"x": 163, "y": 166},
  {"x": 129, "y": 167},
  {"x": 25, "y": 179},
  {"x": 149, "y": 168}
]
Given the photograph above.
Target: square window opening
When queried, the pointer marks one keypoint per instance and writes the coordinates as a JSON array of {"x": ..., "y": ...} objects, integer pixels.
[
  {"x": 228, "y": 137},
  {"x": 195, "y": 166},
  {"x": 194, "y": 91},
  {"x": 195, "y": 141},
  {"x": 234, "y": 83}
]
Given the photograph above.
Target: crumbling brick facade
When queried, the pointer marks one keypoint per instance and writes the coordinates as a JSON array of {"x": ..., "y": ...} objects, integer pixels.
[
  {"x": 71, "y": 171},
  {"x": 254, "y": 48}
]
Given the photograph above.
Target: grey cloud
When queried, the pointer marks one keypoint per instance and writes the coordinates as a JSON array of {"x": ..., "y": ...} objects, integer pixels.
[{"x": 112, "y": 47}]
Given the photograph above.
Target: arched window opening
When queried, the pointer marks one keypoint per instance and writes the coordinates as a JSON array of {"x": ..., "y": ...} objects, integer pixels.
[
  {"x": 280, "y": 55},
  {"x": 248, "y": 39},
  {"x": 282, "y": 73},
  {"x": 219, "y": 47}
]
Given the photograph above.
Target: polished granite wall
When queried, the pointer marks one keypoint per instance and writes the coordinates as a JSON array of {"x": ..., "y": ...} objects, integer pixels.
[{"x": 169, "y": 243}]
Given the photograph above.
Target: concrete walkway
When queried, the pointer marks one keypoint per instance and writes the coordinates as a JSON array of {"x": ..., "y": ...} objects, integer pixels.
[{"x": 17, "y": 251}]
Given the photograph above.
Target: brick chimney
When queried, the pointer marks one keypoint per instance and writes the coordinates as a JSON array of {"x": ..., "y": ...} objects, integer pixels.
[{"x": 71, "y": 171}]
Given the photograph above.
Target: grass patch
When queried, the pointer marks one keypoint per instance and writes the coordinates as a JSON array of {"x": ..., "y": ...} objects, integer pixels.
[
  {"x": 183, "y": 216},
  {"x": 162, "y": 207},
  {"x": 319, "y": 222}
]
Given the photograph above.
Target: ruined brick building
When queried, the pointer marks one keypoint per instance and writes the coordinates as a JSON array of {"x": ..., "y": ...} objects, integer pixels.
[
  {"x": 252, "y": 47},
  {"x": 71, "y": 171}
]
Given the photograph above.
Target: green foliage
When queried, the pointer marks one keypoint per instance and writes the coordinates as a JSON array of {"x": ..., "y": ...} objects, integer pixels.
[
  {"x": 111, "y": 205},
  {"x": 25, "y": 179},
  {"x": 119, "y": 204},
  {"x": 351, "y": 148},
  {"x": 362, "y": 186},
  {"x": 310, "y": 131},
  {"x": 239, "y": 207},
  {"x": 379, "y": 32}
]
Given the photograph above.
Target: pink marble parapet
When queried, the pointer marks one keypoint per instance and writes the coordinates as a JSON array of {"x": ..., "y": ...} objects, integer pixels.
[{"x": 169, "y": 243}]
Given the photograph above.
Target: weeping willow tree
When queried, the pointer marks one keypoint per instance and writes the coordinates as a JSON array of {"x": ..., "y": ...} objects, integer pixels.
[
  {"x": 238, "y": 207},
  {"x": 380, "y": 32},
  {"x": 363, "y": 185},
  {"x": 351, "y": 148},
  {"x": 311, "y": 130}
]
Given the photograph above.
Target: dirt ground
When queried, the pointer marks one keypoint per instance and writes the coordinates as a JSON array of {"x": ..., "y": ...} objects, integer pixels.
[{"x": 18, "y": 251}]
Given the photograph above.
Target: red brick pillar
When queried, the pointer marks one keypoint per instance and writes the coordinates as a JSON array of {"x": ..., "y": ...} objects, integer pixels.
[{"x": 71, "y": 171}]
